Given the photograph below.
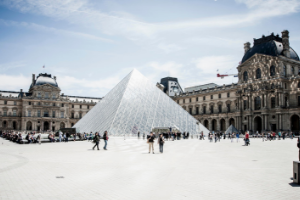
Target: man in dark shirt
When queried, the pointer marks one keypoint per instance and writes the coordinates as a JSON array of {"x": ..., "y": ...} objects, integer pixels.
[{"x": 150, "y": 142}]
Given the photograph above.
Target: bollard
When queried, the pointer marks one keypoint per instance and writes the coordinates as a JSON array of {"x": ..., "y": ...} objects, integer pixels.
[{"x": 296, "y": 172}]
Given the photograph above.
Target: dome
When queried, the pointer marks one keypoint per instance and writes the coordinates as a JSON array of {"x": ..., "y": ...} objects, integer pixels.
[
  {"x": 43, "y": 79},
  {"x": 270, "y": 45}
]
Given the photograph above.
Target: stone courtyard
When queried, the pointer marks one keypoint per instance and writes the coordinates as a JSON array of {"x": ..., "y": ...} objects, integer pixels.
[{"x": 188, "y": 169}]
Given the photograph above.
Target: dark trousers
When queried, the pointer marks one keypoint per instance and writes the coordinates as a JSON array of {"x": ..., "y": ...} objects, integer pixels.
[
  {"x": 67, "y": 139},
  {"x": 97, "y": 144}
]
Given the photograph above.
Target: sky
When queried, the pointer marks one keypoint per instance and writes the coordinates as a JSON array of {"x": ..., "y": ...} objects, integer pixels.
[{"x": 90, "y": 45}]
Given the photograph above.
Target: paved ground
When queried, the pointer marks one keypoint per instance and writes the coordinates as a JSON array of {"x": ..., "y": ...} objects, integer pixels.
[{"x": 189, "y": 169}]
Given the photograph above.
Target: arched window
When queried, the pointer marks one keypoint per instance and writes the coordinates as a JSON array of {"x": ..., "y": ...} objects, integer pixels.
[
  {"x": 272, "y": 71},
  {"x": 258, "y": 73},
  {"x": 257, "y": 103},
  {"x": 245, "y": 75},
  {"x": 272, "y": 86},
  {"x": 293, "y": 70},
  {"x": 284, "y": 70}
]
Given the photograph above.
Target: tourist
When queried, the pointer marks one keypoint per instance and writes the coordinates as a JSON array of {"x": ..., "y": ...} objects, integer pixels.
[
  {"x": 150, "y": 141},
  {"x": 60, "y": 135},
  {"x": 161, "y": 142},
  {"x": 138, "y": 135},
  {"x": 143, "y": 136},
  {"x": 105, "y": 138},
  {"x": 28, "y": 138},
  {"x": 247, "y": 139},
  {"x": 67, "y": 136},
  {"x": 279, "y": 135},
  {"x": 283, "y": 135},
  {"x": 237, "y": 137},
  {"x": 232, "y": 137},
  {"x": 96, "y": 141}
]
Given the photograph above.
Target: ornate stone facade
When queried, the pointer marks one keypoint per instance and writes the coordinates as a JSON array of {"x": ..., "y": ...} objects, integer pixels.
[
  {"x": 266, "y": 97},
  {"x": 42, "y": 107}
]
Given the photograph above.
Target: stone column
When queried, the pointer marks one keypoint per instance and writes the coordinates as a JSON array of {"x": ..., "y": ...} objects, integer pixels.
[
  {"x": 296, "y": 70},
  {"x": 265, "y": 101},
  {"x": 266, "y": 122},
  {"x": 210, "y": 125},
  {"x": 279, "y": 121}
]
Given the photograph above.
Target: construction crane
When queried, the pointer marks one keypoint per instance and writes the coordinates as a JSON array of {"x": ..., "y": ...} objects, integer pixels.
[{"x": 224, "y": 75}]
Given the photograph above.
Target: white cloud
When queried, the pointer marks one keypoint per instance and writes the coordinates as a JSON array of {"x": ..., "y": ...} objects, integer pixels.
[
  {"x": 14, "y": 82},
  {"x": 52, "y": 30},
  {"x": 121, "y": 23}
]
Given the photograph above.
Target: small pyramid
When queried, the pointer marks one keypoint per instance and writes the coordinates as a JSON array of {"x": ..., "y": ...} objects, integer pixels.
[{"x": 137, "y": 105}]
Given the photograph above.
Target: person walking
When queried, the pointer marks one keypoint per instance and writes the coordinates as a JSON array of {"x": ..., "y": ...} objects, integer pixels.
[
  {"x": 138, "y": 135},
  {"x": 96, "y": 141},
  {"x": 232, "y": 137},
  {"x": 67, "y": 136},
  {"x": 237, "y": 137},
  {"x": 150, "y": 141},
  {"x": 105, "y": 138},
  {"x": 161, "y": 141},
  {"x": 60, "y": 135},
  {"x": 247, "y": 139}
]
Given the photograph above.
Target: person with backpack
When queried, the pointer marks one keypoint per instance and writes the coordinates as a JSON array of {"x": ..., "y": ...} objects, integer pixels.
[
  {"x": 96, "y": 141},
  {"x": 150, "y": 141},
  {"x": 161, "y": 141},
  {"x": 105, "y": 138}
]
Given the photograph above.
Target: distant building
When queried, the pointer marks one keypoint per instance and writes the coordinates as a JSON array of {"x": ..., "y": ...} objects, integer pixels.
[
  {"x": 266, "y": 97},
  {"x": 43, "y": 107},
  {"x": 199, "y": 87},
  {"x": 171, "y": 86}
]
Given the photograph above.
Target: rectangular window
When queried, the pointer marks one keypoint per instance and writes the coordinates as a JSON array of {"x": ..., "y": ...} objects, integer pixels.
[
  {"x": 39, "y": 113},
  {"x": 228, "y": 94},
  {"x": 46, "y": 113},
  {"x": 54, "y": 104},
  {"x": 14, "y": 113},
  {"x": 5, "y": 102},
  {"x": 72, "y": 115},
  {"x": 61, "y": 114},
  {"x": 211, "y": 96},
  {"x": 190, "y": 110},
  {"x": 46, "y": 95},
  {"x": 80, "y": 106},
  {"x": 190, "y": 100},
  {"x": 197, "y": 110},
  {"x": 4, "y": 113},
  {"x": 29, "y": 102},
  {"x": 29, "y": 113},
  {"x": 39, "y": 95},
  {"x": 53, "y": 113},
  {"x": 228, "y": 107},
  {"x": 15, "y": 103},
  {"x": 245, "y": 104},
  {"x": 80, "y": 115},
  {"x": 88, "y": 107},
  {"x": 211, "y": 109},
  {"x": 220, "y": 108},
  {"x": 53, "y": 96},
  {"x": 219, "y": 96},
  {"x": 72, "y": 106},
  {"x": 196, "y": 98},
  {"x": 183, "y": 100},
  {"x": 62, "y": 105},
  {"x": 273, "y": 102},
  {"x": 204, "y": 109},
  {"x": 177, "y": 102},
  {"x": 204, "y": 98}
]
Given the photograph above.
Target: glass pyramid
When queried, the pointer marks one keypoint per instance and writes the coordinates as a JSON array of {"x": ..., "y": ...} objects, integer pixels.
[{"x": 136, "y": 105}]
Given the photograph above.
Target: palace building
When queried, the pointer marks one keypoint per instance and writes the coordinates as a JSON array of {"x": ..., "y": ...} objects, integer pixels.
[
  {"x": 43, "y": 107},
  {"x": 266, "y": 96}
]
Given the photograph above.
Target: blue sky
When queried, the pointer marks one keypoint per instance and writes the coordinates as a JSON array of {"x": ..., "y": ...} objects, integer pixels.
[{"x": 91, "y": 45}]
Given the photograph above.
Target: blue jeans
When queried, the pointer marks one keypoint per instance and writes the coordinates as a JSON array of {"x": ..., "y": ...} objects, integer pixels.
[
  {"x": 105, "y": 142},
  {"x": 59, "y": 138},
  {"x": 161, "y": 148}
]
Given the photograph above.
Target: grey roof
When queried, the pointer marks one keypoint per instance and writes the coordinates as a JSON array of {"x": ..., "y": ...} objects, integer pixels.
[{"x": 45, "y": 79}]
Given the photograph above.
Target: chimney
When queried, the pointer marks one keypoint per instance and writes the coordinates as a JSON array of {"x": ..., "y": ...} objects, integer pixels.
[
  {"x": 285, "y": 43},
  {"x": 33, "y": 79},
  {"x": 54, "y": 77},
  {"x": 246, "y": 47}
]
